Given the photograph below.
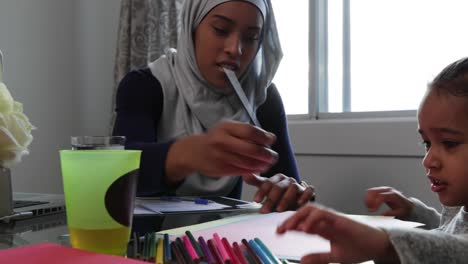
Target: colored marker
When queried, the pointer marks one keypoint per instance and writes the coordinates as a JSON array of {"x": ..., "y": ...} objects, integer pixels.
[
  {"x": 183, "y": 250},
  {"x": 229, "y": 250},
  {"x": 265, "y": 249},
  {"x": 152, "y": 251},
  {"x": 195, "y": 244},
  {"x": 167, "y": 249},
  {"x": 214, "y": 250},
  {"x": 135, "y": 245},
  {"x": 206, "y": 251},
  {"x": 188, "y": 246},
  {"x": 146, "y": 244},
  {"x": 201, "y": 201},
  {"x": 247, "y": 255},
  {"x": 251, "y": 252},
  {"x": 142, "y": 247},
  {"x": 237, "y": 250},
  {"x": 160, "y": 252},
  {"x": 221, "y": 248},
  {"x": 178, "y": 255},
  {"x": 260, "y": 253}
]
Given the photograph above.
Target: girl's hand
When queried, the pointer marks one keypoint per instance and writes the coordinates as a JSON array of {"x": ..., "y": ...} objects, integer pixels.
[
  {"x": 400, "y": 205},
  {"x": 279, "y": 192},
  {"x": 350, "y": 241}
]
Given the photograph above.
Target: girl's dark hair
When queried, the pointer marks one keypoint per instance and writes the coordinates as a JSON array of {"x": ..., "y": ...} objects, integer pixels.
[{"x": 453, "y": 79}]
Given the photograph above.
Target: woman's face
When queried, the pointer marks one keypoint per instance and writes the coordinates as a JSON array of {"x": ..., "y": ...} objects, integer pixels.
[{"x": 228, "y": 37}]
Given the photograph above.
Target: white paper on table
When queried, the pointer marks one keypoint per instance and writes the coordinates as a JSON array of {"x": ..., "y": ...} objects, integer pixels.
[
  {"x": 292, "y": 245},
  {"x": 383, "y": 221}
]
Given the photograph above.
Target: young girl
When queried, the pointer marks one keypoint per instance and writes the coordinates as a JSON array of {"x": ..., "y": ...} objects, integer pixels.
[
  {"x": 193, "y": 130},
  {"x": 443, "y": 125}
]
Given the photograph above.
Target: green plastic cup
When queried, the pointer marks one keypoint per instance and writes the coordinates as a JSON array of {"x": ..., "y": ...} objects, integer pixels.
[{"x": 100, "y": 190}]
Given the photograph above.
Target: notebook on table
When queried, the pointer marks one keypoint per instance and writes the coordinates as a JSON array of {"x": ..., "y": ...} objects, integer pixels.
[{"x": 176, "y": 205}]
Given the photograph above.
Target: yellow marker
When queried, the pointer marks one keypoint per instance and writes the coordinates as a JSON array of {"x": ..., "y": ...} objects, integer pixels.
[{"x": 160, "y": 252}]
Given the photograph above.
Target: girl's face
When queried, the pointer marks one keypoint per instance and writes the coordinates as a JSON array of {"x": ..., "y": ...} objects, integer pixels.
[
  {"x": 229, "y": 37},
  {"x": 443, "y": 125}
]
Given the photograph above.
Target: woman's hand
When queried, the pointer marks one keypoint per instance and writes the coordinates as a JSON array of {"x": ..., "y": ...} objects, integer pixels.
[
  {"x": 279, "y": 192},
  {"x": 400, "y": 205},
  {"x": 230, "y": 148},
  {"x": 350, "y": 241}
]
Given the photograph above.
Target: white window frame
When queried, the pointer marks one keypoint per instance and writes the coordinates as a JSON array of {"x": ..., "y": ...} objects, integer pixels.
[{"x": 385, "y": 133}]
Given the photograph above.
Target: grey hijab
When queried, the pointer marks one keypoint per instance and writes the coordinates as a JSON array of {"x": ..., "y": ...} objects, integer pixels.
[{"x": 192, "y": 106}]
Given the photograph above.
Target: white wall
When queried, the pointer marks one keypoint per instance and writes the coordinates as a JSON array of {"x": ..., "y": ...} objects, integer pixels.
[
  {"x": 95, "y": 47},
  {"x": 345, "y": 157},
  {"x": 37, "y": 40},
  {"x": 59, "y": 64}
]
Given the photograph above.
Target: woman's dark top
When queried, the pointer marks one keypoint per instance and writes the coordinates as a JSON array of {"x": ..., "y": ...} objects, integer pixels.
[{"x": 139, "y": 104}]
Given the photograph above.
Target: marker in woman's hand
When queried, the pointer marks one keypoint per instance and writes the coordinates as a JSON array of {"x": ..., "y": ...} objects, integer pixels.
[{"x": 240, "y": 93}]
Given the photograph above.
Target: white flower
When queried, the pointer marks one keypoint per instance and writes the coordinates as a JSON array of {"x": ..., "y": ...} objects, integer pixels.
[{"x": 15, "y": 129}]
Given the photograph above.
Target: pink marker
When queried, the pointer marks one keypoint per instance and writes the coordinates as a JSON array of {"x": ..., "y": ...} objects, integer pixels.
[
  {"x": 238, "y": 251},
  {"x": 229, "y": 250},
  {"x": 188, "y": 245},
  {"x": 222, "y": 250}
]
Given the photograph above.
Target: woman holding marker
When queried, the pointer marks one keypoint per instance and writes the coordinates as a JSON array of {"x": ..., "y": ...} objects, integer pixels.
[{"x": 194, "y": 131}]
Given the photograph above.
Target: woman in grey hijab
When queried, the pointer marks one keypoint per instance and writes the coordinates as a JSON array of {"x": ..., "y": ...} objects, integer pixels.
[{"x": 185, "y": 115}]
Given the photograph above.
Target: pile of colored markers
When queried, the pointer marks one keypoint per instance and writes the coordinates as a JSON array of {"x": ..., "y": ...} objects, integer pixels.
[{"x": 215, "y": 250}]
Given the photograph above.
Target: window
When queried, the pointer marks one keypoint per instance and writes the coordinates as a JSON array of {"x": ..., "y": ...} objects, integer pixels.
[
  {"x": 292, "y": 78},
  {"x": 365, "y": 55}
]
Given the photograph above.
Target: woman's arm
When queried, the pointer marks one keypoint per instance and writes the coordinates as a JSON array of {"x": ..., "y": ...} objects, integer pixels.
[
  {"x": 229, "y": 148},
  {"x": 138, "y": 106},
  {"x": 272, "y": 117}
]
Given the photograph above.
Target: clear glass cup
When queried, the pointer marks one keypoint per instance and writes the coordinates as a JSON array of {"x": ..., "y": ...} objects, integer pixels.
[{"x": 97, "y": 142}]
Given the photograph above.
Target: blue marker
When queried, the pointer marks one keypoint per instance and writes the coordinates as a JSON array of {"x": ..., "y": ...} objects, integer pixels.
[
  {"x": 260, "y": 253},
  {"x": 167, "y": 249},
  {"x": 265, "y": 249},
  {"x": 201, "y": 201}
]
